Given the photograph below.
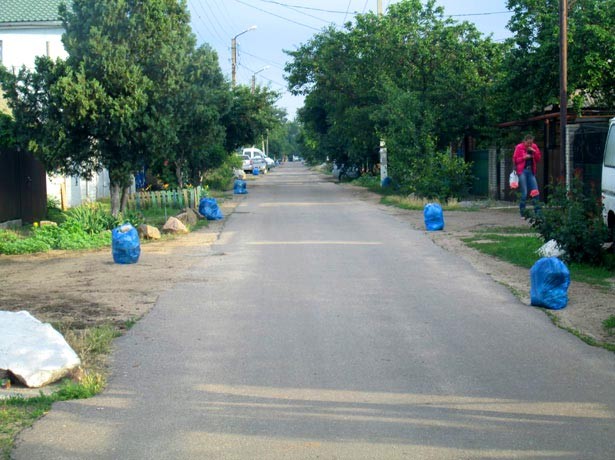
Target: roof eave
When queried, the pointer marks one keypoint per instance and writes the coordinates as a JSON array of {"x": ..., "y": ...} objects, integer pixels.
[{"x": 31, "y": 25}]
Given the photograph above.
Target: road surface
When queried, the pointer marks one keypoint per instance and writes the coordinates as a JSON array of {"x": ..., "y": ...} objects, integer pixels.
[{"x": 322, "y": 326}]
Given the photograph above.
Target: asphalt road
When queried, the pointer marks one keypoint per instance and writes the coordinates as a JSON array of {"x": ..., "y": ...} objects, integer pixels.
[{"x": 322, "y": 326}]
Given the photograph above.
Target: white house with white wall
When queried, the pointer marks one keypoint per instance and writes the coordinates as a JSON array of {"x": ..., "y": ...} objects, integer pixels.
[{"x": 30, "y": 28}]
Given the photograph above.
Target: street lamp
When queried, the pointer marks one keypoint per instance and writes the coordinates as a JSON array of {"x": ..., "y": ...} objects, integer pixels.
[
  {"x": 254, "y": 77},
  {"x": 234, "y": 54}
]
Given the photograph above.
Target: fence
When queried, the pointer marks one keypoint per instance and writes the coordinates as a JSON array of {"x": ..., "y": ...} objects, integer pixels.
[{"x": 184, "y": 198}]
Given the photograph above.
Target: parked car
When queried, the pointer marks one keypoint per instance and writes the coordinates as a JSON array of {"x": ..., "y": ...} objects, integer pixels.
[
  {"x": 270, "y": 162},
  {"x": 246, "y": 163},
  {"x": 608, "y": 180},
  {"x": 259, "y": 162},
  {"x": 257, "y": 156}
]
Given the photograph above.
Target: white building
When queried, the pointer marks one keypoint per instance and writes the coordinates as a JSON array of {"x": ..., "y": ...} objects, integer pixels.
[{"x": 30, "y": 28}]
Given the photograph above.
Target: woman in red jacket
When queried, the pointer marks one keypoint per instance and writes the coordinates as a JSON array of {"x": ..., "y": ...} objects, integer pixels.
[{"x": 526, "y": 156}]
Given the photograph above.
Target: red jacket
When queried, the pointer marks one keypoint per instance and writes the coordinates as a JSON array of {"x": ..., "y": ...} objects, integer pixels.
[{"x": 519, "y": 157}]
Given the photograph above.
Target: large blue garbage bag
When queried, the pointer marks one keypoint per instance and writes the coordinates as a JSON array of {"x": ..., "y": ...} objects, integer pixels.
[
  {"x": 434, "y": 217},
  {"x": 208, "y": 207},
  {"x": 240, "y": 187},
  {"x": 255, "y": 171},
  {"x": 125, "y": 244},
  {"x": 549, "y": 279}
]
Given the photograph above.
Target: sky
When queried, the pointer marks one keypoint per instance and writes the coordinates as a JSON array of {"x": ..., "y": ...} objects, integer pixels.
[{"x": 287, "y": 24}]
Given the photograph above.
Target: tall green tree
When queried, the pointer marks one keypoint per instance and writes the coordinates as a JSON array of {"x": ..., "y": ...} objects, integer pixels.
[
  {"x": 251, "y": 116},
  {"x": 112, "y": 103},
  {"x": 413, "y": 77},
  {"x": 133, "y": 53},
  {"x": 199, "y": 104},
  {"x": 531, "y": 80}
]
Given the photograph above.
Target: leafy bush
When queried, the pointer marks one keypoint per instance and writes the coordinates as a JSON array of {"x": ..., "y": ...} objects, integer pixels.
[
  {"x": 440, "y": 176},
  {"x": 90, "y": 218},
  {"x": 573, "y": 219},
  {"x": 222, "y": 177},
  {"x": 54, "y": 210}
]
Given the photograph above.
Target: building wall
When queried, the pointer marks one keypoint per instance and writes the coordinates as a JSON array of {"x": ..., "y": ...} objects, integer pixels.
[{"x": 20, "y": 45}]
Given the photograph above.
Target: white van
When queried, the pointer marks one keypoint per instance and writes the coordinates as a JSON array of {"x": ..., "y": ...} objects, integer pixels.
[{"x": 608, "y": 179}]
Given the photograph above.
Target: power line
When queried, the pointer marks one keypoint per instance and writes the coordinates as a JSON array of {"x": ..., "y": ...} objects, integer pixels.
[
  {"x": 298, "y": 9},
  {"x": 277, "y": 15},
  {"x": 478, "y": 14},
  {"x": 301, "y": 7}
]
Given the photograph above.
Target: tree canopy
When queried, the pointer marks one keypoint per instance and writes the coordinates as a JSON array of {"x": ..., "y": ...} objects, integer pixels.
[{"x": 134, "y": 92}]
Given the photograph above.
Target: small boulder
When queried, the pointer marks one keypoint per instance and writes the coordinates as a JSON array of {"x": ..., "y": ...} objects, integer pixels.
[
  {"x": 47, "y": 223},
  {"x": 34, "y": 352},
  {"x": 187, "y": 217},
  {"x": 148, "y": 232},
  {"x": 174, "y": 225}
]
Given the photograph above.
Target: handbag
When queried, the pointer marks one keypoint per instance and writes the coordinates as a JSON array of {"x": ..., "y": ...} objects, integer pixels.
[{"x": 513, "y": 180}]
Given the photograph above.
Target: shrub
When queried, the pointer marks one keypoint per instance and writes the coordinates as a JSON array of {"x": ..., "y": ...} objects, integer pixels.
[
  {"x": 573, "y": 219},
  {"x": 91, "y": 218},
  {"x": 222, "y": 178},
  {"x": 440, "y": 176},
  {"x": 54, "y": 211}
]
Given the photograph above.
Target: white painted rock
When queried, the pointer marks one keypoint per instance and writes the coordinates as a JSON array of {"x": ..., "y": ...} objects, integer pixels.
[{"x": 34, "y": 352}]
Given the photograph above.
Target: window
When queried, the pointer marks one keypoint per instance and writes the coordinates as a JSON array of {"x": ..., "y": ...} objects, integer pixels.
[{"x": 609, "y": 151}]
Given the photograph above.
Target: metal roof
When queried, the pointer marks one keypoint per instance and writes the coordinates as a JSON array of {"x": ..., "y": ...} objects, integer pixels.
[{"x": 29, "y": 11}]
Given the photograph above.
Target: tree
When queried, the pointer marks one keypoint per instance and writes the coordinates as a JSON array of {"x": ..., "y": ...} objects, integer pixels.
[
  {"x": 134, "y": 54},
  {"x": 412, "y": 77},
  {"x": 250, "y": 116},
  {"x": 531, "y": 81},
  {"x": 199, "y": 104},
  {"x": 111, "y": 103}
]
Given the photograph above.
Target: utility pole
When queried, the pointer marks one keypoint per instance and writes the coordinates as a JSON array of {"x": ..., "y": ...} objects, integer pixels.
[
  {"x": 234, "y": 55},
  {"x": 563, "y": 88},
  {"x": 379, "y": 7},
  {"x": 254, "y": 77}
]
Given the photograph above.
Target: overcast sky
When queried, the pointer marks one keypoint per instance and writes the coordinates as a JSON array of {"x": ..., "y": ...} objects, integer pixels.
[{"x": 286, "y": 24}]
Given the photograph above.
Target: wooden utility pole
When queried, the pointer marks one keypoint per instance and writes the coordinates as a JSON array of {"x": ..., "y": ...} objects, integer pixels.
[
  {"x": 563, "y": 88},
  {"x": 379, "y": 7}
]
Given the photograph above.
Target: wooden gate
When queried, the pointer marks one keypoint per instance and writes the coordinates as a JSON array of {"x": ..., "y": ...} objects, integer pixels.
[
  {"x": 23, "y": 187},
  {"x": 480, "y": 171}
]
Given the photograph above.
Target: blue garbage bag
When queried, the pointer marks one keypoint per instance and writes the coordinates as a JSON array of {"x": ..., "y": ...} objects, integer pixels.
[
  {"x": 386, "y": 182},
  {"x": 434, "y": 217},
  {"x": 549, "y": 279},
  {"x": 255, "y": 171},
  {"x": 240, "y": 187},
  {"x": 125, "y": 244},
  {"x": 208, "y": 207}
]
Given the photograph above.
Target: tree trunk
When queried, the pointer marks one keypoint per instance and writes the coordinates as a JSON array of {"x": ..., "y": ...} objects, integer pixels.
[
  {"x": 178, "y": 174},
  {"x": 124, "y": 201},
  {"x": 115, "y": 190}
]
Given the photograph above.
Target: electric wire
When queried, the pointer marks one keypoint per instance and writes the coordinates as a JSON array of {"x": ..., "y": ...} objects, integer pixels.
[{"x": 278, "y": 16}]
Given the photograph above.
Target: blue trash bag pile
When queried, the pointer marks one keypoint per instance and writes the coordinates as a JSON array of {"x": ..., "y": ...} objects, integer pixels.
[
  {"x": 255, "y": 171},
  {"x": 208, "y": 207},
  {"x": 125, "y": 244},
  {"x": 549, "y": 279},
  {"x": 240, "y": 187},
  {"x": 434, "y": 217}
]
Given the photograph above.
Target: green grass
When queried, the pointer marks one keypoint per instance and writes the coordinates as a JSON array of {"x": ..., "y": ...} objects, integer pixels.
[
  {"x": 19, "y": 413},
  {"x": 418, "y": 204},
  {"x": 92, "y": 346},
  {"x": 79, "y": 233},
  {"x": 520, "y": 249},
  {"x": 609, "y": 324}
]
